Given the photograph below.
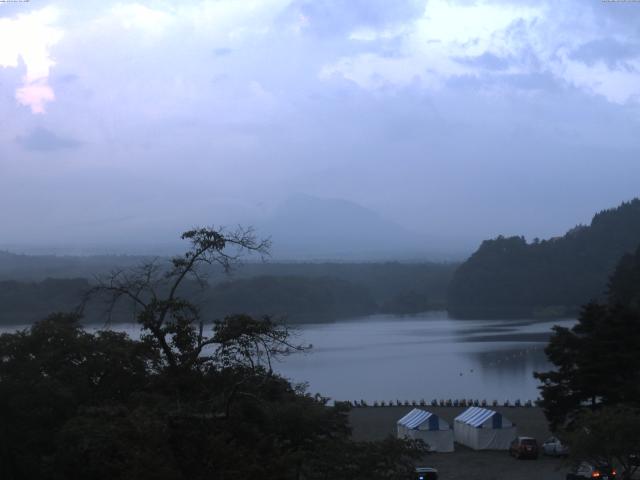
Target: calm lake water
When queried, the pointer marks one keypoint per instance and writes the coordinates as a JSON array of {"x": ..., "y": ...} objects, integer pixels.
[{"x": 389, "y": 357}]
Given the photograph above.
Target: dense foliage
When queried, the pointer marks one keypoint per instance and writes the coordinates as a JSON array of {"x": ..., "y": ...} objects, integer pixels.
[
  {"x": 77, "y": 405},
  {"x": 508, "y": 277},
  {"x": 597, "y": 362},
  {"x": 180, "y": 403}
]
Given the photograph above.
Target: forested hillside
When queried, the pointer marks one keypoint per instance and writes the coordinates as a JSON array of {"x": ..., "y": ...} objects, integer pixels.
[
  {"x": 300, "y": 292},
  {"x": 40, "y": 267},
  {"x": 508, "y": 277},
  {"x": 25, "y": 302}
]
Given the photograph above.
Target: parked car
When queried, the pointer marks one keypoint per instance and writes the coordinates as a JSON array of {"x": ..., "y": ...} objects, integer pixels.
[
  {"x": 602, "y": 471},
  {"x": 426, "y": 473},
  {"x": 554, "y": 447},
  {"x": 524, "y": 447}
]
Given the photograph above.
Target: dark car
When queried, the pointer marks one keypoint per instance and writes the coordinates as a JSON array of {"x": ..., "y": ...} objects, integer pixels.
[
  {"x": 601, "y": 471},
  {"x": 426, "y": 473},
  {"x": 524, "y": 447}
]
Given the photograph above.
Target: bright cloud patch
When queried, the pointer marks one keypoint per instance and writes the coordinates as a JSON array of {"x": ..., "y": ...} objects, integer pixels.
[
  {"x": 35, "y": 95},
  {"x": 431, "y": 44},
  {"x": 132, "y": 16},
  {"x": 230, "y": 18},
  {"x": 28, "y": 39},
  {"x": 618, "y": 83},
  {"x": 452, "y": 39}
]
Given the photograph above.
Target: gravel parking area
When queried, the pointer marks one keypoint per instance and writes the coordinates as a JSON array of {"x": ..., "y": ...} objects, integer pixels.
[
  {"x": 465, "y": 463},
  {"x": 376, "y": 423}
]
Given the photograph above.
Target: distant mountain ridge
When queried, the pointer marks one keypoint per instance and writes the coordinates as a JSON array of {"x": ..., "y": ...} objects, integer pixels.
[
  {"x": 508, "y": 277},
  {"x": 307, "y": 227}
]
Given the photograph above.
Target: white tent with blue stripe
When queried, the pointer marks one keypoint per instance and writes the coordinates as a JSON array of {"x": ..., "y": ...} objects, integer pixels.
[
  {"x": 483, "y": 429},
  {"x": 428, "y": 427}
]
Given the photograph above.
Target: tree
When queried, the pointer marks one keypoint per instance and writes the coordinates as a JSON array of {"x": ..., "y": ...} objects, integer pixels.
[
  {"x": 598, "y": 360},
  {"x": 170, "y": 322},
  {"x": 50, "y": 371},
  {"x": 178, "y": 403},
  {"x": 389, "y": 459},
  {"x": 509, "y": 277},
  {"x": 607, "y": 435},
  {"x": 624, "y": 283}
]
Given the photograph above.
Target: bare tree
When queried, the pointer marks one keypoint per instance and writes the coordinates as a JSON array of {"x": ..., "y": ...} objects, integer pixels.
[{"x": 169, "y": 321}]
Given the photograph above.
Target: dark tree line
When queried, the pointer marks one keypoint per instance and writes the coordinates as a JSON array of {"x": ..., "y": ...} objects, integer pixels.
[
  {"x": 185, "y": 401},
  {"x": 299, "y": 293},
  {"x": 24, "y": 302},
  {"x": 508, "y": 277},
  {"x": 297, "y": 298}
]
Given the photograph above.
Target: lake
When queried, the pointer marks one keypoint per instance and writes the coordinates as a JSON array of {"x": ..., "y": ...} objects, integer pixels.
[
  {"x": 413, "y": 357},
  {"x": 427, "y": 356}
]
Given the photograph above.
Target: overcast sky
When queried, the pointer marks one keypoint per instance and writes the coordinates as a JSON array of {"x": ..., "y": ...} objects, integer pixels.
[{"x": 133, "y": 121}]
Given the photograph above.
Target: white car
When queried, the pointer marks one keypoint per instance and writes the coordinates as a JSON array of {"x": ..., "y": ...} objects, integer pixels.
[{"x": 554, "y": 447}]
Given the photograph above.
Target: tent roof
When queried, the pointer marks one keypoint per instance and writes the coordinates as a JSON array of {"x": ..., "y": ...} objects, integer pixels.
[
  {"x": 475, "y": 416},
  {"x": 415, "y": 418}
]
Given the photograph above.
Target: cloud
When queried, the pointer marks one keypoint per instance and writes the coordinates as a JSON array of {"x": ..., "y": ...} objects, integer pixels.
[
  {"x": 487, "y": 61},
  {"x": 608, "y": 50},
  {"x": 27, "y": 39},
  {"x": 137, "y": 16},
  {"x": 619, "y": 85},
  {"x": 42, "y": 139},
  {"x": 221, "y": 52},
  {"x": 433, "y": 44},
  {"x": 473, "y": 39},
  {"x": 35, "y": 94},
  {"x": 329, "y": 18},
  {"x": 430, "y": 112}
]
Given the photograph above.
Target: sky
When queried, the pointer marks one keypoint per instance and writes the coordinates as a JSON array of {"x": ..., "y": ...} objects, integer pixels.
[{"x": 126, "y": 123}]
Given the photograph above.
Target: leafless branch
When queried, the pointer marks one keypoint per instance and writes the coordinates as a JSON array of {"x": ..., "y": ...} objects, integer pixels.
[{"x": 153, "y": 289}]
